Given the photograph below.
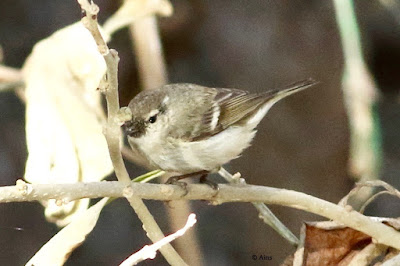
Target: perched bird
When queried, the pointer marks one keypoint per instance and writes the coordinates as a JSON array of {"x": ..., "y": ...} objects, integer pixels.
[{"x": 192, "y": 130}]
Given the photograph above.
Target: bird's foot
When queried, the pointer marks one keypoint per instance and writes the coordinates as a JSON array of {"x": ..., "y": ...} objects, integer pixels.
[
  {"x": 174, "y": 180},
  {"x": 212, "y": 184}
]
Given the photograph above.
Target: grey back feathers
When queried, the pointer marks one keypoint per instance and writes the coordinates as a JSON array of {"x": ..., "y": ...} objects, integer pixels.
[
  {"x": 199, "y": 112},
  {"x": 236, "y": 107}
]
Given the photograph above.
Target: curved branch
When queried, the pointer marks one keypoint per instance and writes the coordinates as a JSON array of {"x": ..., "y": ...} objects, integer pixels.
[{"x": 383, "y": 234}]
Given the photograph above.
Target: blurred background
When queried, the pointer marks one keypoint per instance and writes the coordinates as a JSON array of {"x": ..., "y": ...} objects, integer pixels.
[{"x": 302, "y": 144}]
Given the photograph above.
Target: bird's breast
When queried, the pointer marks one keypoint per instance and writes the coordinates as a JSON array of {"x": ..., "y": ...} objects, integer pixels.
[{"x": 176, "y": 155}]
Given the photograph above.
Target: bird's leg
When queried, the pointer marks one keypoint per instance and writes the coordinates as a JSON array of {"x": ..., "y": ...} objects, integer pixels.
[
  {"x": 212, "y": 184},
  {"x": 174, "y": 179},
  {"x": 203, "y": 179}
]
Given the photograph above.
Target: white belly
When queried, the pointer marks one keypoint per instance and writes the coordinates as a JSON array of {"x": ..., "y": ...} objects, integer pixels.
[{"x": 186, "y": 157}]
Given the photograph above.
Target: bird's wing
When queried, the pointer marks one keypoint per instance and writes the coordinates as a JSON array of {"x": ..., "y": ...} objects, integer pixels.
[
  {"x": 229, "y": 107},
  {"x": 233, "y": 107}
]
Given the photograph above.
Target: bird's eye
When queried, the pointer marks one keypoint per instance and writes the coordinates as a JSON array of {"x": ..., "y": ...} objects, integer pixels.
[{"x": 153, "y": 119}]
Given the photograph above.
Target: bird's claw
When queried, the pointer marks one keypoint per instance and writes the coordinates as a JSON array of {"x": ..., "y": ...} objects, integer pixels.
[
  {"x": 174, "y": 180},
  {"x": 212, "y": 184}
]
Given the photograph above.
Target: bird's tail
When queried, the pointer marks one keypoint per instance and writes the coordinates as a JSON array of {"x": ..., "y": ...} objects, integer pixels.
[
  {"x": 295, "y": 87},
  {"x": 273, "y": 96}
]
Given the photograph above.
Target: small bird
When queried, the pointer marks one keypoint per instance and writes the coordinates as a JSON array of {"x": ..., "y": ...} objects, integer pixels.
[{"x": 193, "y": 130}]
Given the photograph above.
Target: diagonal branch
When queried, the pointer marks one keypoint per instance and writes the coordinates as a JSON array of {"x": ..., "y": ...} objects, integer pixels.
[
  {"x": 149, "y": 252},
  {"x": 155, "y": 234},
  {"x": 265, "y": 213},
  {"x": 112, "y": 131}
]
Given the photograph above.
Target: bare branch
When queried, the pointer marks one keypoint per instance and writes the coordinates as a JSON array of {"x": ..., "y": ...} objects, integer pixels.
[
  {"x": 10, "y": 75},
  {"x": 153, "y": 231},
  {"x": 146, "y": 42},
  {"x": 113, "y": 133},
  {"x": 227, "y": 193},
  {"x": 112, "y": 130},
  {"x": 11, "y": 79},
  {"x": 10, "y": 86},
  {"x": 373, "y": 184},
  {"x": 149, "y": 252},
  {"x": 265, "y": 213}
]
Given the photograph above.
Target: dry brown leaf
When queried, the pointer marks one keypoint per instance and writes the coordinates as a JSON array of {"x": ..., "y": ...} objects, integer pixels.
[
  {"x": 57, "y": 249},
  {"x": 327, "y": 243},
  {"x": 332, "y": 246},
  {"x": 64, "y": 116}
]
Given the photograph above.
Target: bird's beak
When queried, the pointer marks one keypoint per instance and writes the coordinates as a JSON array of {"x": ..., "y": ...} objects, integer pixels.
[{"x": 134, "y": 128}]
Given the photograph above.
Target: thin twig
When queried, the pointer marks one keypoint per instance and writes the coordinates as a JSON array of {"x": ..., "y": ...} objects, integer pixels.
[
  {"x": 9, "y": 74},
  {"x": 147, "y": 45},
  {"x": 376, "y": 183},
  {"x": 227, "y": 193},
  {"x": 12, "y": 79},
  {"x": 11, "y": 86},
  {"x": 153, "y": 230},
  {"x": 112, "y": 129},
  {"x": 149, "y": 252},
  {"x": 373, "y": 184},
  {"x": 265, "y": 213},
  {"x": 371, "y": 199}
]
